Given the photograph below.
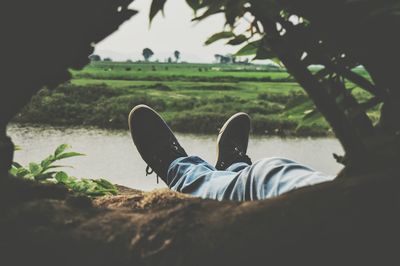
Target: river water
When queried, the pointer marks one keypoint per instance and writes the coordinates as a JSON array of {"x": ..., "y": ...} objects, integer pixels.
[{"x": 111, "y": 154}]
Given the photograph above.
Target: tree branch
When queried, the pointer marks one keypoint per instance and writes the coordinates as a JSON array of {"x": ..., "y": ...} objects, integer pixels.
[
  {"x": 356, "y": 79},
  {"x": 349, "y": 137}
]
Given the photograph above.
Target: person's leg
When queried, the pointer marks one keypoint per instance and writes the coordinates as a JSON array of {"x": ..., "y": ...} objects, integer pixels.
[
  {"x": 264, "y": 179},
  {"x": 236, "y": 178},
  {"x": 192, "y": 175},
  {"x": 237, "y": 167}
]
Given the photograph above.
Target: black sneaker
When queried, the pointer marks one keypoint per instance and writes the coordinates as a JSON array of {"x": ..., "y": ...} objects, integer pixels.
[
  {"x": 154, "y": 140},
  {"x": 232, "y": 141}
]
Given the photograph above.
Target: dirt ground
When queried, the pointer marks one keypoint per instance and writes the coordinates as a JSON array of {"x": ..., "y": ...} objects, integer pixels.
[{"x": 348, "y": 220}]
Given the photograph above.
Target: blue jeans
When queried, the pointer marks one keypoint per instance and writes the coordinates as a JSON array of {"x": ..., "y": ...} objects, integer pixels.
[{"x": 264, "y": 179}]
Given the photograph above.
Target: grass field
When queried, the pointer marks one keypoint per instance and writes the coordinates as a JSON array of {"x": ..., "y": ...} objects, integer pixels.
[{"x": 193, "y": 98}]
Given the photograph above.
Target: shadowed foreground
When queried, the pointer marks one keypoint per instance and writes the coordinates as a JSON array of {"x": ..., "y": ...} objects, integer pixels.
[{"x": 346, "y": 221}]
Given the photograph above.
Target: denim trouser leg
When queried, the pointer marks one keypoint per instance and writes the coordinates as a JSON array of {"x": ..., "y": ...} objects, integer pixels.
[{"x": 264, "y": 179}]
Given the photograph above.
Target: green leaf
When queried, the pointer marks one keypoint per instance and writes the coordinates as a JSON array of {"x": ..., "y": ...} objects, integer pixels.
[
  {"x": 249, "y": 49},
  {"x": 43, "y": 177},
  {"x": 69, "y": 155},
  {"x": 35, "y": 169},
  {"x": 61, "y": 177},
  {"x": 311, "y": 115},
  {"x": 58, "y": 166},
  {"x": 238, "y": 40},
  {"x": 60, "y": 149},
  {"x": 219, "y": 36},
  {"x": 156, "y": 6},
  {"x": 47, "y": 162},
  {"x": 104, "y": 183},
  {"x": 13, "y": 170},
  {"x": 277, "y": 61},
  {"x": 22, "y": 172},
  {"x": 16, "y": 165}
]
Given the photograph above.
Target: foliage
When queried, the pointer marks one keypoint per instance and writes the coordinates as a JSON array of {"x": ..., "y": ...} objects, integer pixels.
[
  {"x": 177, "y": 55},
  {"x": 45, "y": 171},
  {"x": 147, "y": 53},
  {"x": 187, "y": 106},
  {"x": 106, "y": 102},
  {"x": 95, "y": 58},
  {"x": 341, "y": 36}
]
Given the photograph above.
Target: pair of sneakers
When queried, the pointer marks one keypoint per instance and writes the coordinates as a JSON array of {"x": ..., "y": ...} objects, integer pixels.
[{"x": 159, "y": 147}]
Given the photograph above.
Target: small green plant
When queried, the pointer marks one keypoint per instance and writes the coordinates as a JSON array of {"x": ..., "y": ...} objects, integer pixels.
[{"x": 45, "y": 172}]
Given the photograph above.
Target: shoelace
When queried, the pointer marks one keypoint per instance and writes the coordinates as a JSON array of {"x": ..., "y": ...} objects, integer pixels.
[
  {"x": 242, "y": 156},
  {"x": 150, "y": 171},
  {"x": 239, "y": 156}
]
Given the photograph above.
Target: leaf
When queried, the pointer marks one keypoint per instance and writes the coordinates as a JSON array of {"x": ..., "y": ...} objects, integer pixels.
[
  {"x": 219, "y": 36},
  {"x": 156, "y": 6},
  {"x": 214, "y": 8},
  {"x": 238, "y": 40},
  {"x": 104, "y": 183},
  {"x": 277, "y": 61},
  {"x": 47, "y": 162},
  {"x": 22, "y": 172},
  {"x": 69, "y": 155},
  {"x": 61, "y": 177},
  {"x": 264, "y": 53},
  {"x": 13, "y": 170},
  {"x": 43, "y": 177},
  {"x": 16, "y": 165},
  {"x": 311, "y": 115},
  {"x": 249, "y": 49},
  {"x": 58, "y": 166},
  {"x": 233, "y": 10},
  {"x": 60, "y": 149},
  {"x": 194, "y": 4},
  {"x": 35, "y": 169}
]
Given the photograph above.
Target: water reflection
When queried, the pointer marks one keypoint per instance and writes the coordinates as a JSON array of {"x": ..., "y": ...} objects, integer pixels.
[{"x": 111, "y": 153}]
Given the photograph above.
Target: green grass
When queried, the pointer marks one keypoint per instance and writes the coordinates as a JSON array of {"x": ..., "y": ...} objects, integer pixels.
[
  {"x": 190, "y": 100},
  {"x": 175, "y": 72}
]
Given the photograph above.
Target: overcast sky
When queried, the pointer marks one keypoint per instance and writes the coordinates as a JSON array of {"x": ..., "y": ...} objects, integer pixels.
[{"x": 173, "y": 32}]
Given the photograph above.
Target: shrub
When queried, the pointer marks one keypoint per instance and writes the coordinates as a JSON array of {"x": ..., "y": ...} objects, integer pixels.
[
  {"x": 273, "y": 125},
  {"x": 46, "y": 172},
  {"x": 205, "y": 122},
  {"x": 87, "y": 93}
]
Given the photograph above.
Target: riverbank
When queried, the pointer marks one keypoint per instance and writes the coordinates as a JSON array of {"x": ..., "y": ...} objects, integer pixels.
[
  {"x": 106, "y": 107},
  {"x": 192, "y": 98}
]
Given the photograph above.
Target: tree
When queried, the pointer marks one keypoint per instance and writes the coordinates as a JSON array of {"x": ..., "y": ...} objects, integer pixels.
[
  {"x": 95, "y": 58},
  {"x": 147, "y": 53},
  {"x": 177, "y": 55},
  {"x": 300, "y": 34},
  {"x": 107, "y": 59},
  {"x": 224, "y": 59}
]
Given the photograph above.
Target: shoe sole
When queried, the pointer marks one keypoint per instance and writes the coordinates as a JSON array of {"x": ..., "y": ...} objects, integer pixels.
[
  {"x": 132, "y": 127},
  {"x": 222, "y": 130},
  {"x": 137, "y": 107}
]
